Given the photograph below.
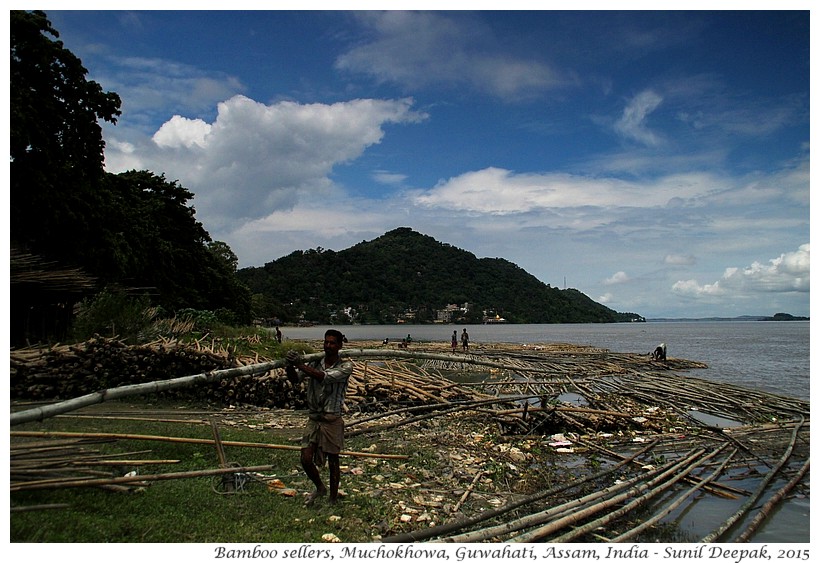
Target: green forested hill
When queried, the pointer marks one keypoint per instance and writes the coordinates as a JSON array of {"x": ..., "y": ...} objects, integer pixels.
[{"x": 404, "y": 271}]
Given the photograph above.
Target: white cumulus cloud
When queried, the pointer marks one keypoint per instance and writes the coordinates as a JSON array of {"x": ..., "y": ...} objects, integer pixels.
[
  {"x": 789, "y": 272},
  {"x": 691, "y": 287},
  {"x": 257, "y": 158},
  {"x": 616, "y": 278},
  {"x": 181, "y": 132}
]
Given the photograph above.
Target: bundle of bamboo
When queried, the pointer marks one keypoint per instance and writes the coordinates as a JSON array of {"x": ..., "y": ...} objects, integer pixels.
[{"x": 58, "y": 461}]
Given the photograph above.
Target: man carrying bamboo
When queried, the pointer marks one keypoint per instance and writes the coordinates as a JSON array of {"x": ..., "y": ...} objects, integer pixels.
[{"x": 327, "y": 380}]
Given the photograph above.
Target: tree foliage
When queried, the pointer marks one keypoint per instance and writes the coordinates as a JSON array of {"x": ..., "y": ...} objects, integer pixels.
[
  {"x": 112, "y": 314},
  {"x": 56, "y": 148},
  {"x": 404, "y": 270},
  {"x": 135, "y": 230},
  {"x": 149, "y": 237}
]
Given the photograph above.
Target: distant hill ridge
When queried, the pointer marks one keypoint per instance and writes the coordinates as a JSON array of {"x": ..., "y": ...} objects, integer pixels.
[
  {"x": 406, "y": 276},
  {"x": 775, "y": 317}
]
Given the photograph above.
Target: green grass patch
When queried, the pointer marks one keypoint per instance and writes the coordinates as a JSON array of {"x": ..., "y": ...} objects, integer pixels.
[{"x": 195, "y": 509}]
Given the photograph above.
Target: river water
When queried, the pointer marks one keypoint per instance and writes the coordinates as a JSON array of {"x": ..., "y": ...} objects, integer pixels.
[
  {"x": 769, "y": 356},
  {"x": 764, "y": 355}
]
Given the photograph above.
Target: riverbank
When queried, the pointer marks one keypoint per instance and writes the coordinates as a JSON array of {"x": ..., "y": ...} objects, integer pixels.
[{"x": 569, "y": 432}]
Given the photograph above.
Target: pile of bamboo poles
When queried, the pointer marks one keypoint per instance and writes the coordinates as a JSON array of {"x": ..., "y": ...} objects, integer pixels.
[
  {"x": 65, "y": 371},
  {"x": 59, "y": 461},
  {"x": 387, "y": 384},
  {"x": 26, "y": 268},
  {"x": 685, "y": 394},
  {"x": 615, "y": 384}
]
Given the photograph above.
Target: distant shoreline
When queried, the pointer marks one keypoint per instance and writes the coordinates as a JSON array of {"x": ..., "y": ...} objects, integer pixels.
[
  {"x": 780, "y": 317},
  {"x": 747, "y": 318}
]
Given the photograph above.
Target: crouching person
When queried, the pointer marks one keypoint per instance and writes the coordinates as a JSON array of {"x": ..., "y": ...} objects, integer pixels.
[{"x": 659, "y": 353}]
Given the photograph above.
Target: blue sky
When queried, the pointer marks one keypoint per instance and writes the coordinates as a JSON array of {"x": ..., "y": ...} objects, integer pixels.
[{"x": 656, "y": 161}]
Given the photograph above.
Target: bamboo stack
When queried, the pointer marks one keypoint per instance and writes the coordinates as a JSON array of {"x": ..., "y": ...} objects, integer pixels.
[
  {"x": 56, "y": 461},
  {"x": 532, "y": 378},
  {"x": 65, "y": 371}
]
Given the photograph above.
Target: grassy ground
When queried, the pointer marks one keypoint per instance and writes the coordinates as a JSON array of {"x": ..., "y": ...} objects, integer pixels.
[
  {"x": 189, "y": 509},
  {"x": 382, "y": 496}
]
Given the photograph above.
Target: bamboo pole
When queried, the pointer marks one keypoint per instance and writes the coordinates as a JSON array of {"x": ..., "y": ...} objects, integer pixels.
[
  {"x": 220, "y": 451},
  {"x": 30, "y": 434},
  {"x": 48, "y": 411},
  {"x": 117, "y": 462},
  {"x": 675, "y": 504},
  {"x": 468, "y": 491},
  {"x": 764, "y": 511},
  {"x": 734, "y": 518},
  {"x": 138, "y": 478},
  {"x": 39, "y": 507},
  {"x": 133, "y": 418},
  {"x": 579, "y": 410}
]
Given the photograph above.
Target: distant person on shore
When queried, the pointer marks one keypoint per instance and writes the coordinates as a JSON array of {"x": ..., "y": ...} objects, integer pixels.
[
  {"x": 659, "y": 353},
  {"x": 278, "y": 335},
  {"x": 454, "y": 341},
  {"x": 465, "y": 340},
  {"x": 324, "y": 434}
]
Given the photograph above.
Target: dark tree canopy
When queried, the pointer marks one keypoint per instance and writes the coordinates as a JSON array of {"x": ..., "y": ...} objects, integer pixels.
[
  {"x": 149, "y": 237},
  {"x": 134, "y": 230},
  {"x": 56, "y": 140}
]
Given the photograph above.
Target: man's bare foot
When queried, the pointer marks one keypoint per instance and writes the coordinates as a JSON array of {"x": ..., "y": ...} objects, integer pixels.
[{"x": 313, "y": 496}]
